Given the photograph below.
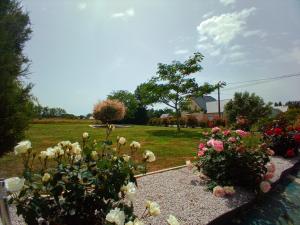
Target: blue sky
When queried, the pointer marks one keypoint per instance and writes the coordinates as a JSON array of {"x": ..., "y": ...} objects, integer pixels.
[{"x": 80, "y": 50}]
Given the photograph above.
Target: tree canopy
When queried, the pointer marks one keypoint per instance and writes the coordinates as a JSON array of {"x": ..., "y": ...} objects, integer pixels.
[
  {"x": 247, "y": 105},
  {"x": 15, "y": 98},
  {"x": 173, "y": 85}
]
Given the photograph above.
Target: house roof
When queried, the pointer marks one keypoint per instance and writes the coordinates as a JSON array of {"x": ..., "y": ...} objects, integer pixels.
[{"x": 201, "y": 101}]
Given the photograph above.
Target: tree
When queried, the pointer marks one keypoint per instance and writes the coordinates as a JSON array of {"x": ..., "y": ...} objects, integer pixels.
[
  {"x": 129, "y": 101},
  {"x": 293, "y": 104},
  {"x": 173, "y": 87},
  {"x": 15, "y": 98},
  {"x": 250, "y": 106}
]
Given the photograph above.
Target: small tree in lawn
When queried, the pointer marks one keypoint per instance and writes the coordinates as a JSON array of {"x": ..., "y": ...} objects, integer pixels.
[
  {"x": 249, "y": 106},
  {"x": 173, "y": 86}
]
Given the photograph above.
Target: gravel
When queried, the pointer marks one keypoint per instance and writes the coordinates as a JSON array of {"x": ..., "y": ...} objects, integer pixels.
[{"x": 180, "y": 193}]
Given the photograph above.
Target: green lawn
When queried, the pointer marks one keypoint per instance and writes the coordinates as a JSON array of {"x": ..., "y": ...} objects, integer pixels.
[{"x": 171, "y": 149}]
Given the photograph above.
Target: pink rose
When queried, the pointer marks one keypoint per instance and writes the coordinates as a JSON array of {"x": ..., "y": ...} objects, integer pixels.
[
  {"x": 218, "y": 145},
  {"x": 232, "y": 139},
  {"x": 215, "y": 130},
  {"x": 242, "y": 133},
  {"x": 201, "y": 153},
  {"x": 265, "y": 186},
  {"x": 270, "y": 167},
  {"x": 268, "y": 176},
  {"x": 218, "y": 191},
  {"x": 226, "y": 132},
  {"x": 270, "y": 152},
  {"x": 209, "y": 143},
  {"x": 201, "y": 146}
]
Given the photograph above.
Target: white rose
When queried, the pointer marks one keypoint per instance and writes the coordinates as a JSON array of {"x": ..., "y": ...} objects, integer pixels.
[
  {"x": 129, "y": 190},
  {"x": 43, "y": 154},
  {"x": 50, "y": 153},
  {"x": 116, "y": 216},
  {"x": 64, "y": 143},
  {"x": 22, "y": 147},
  {"x": 94, "y": 155},
  {"x": 76, "y": 148},
  {"x": 172, "y": 220},
  {"x": 58, "y": 151},
  {"x": 77, "y": 158},
  {"x": 149, "y": 156},
  {"x": 122, "y": 141},
  {"x": 135, "y": 144},
  {"x": 153, "y": 208},
  {"x": 46, "y": 177},
  {"x": 85, "y": 135},
  {"x": 126, "y": 157},
  {"x": 14, "y": 184}
]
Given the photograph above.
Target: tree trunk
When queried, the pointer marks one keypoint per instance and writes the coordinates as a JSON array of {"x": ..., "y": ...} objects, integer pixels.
[{"x": 178, "y": 120}]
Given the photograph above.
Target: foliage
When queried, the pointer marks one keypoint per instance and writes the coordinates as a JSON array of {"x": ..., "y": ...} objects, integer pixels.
[
  {"x": 130, "y": 102},
  {"x": 293, "y": 104},
  {"x": 173, "y": 87},
  {"x": 192, "y": 121},
  {"x": 283, "y": 138},
  {"x": 156, "y": 113},
  {"x": 249, "y": 106},
  {"x": 86, "y": 184},
  {"x": 15, "y": 98},
  {"x": 47, "y": 112},
  {"x": 109, "y": 110},
  {"x": 232, "y": 158},
  {"x": 291, "y": 115}
]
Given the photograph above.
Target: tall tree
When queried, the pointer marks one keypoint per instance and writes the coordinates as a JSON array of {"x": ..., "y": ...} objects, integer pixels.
[
  {"x": 250, "y": 106},
  {"x": 173, "y": 85},
  {"x": 15, "y": 99}
]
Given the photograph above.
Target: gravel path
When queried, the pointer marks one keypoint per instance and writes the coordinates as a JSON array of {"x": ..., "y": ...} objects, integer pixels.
[{"x": 180, "y": 193}]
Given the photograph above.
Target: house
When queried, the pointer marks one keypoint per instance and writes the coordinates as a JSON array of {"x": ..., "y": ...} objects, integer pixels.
[
  {"x": 206, "y": 107},
  {"x": 166, "y": 115}
]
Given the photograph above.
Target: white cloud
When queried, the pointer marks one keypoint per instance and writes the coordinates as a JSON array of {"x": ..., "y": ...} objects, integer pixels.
[
  {"x": 181, "y": 52},
  {"x": 258, "y": 33},
  {"x": 227, "y": 2},
  {"x": 82, "y": 5},
  {"x": 123, "y": 15},
  {"x": 224, "y": 28},
  {"x": 218, "y": 32}
]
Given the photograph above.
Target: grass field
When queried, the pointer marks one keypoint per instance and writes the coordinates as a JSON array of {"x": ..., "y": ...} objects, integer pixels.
[{"x": 171, "y": 148}]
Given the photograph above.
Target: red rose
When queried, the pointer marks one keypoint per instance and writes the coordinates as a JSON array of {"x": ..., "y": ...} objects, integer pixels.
[
  {"x": 277, "y": 131},
  {"x": 297, "y": 138},
  {"x": 290, "y": 153},
  {"x": 269, "y": 132},
  {"x": 290, "y": 128}
]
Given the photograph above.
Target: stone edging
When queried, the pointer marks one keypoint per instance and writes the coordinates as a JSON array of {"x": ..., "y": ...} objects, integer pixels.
[{"x": 159, "y": 171}]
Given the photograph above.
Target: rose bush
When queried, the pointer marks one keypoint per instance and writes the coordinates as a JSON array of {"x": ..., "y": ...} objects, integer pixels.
[
  {"x": 232, "y": 158},
  {"x": 88, "y": 183},
  {"x": 283, "y": 139}
]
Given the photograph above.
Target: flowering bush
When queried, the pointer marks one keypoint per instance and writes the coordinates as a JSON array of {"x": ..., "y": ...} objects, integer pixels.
[
  {"x": 283, "y": 139},
  {"x": 90, "y": 184},
  {"x": 228, "y": 158}
]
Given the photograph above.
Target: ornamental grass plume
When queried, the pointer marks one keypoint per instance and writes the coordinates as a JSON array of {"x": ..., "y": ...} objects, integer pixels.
[{"x": 109, "y": 110}]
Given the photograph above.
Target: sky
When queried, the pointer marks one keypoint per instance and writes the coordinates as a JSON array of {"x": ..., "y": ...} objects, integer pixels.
[{"x": 82, "y": 50}]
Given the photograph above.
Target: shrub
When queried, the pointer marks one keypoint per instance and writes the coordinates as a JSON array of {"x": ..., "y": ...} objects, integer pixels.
[
  {"x": 228, "y": 159},
  {"x": 284, "y": 139},
  {"x": 165, "y": 121},
  {"x": 203, "y": 123},
  {"x": 88, "y": 185},
  {"x": 109, "y": 110},
  {"x": 192, "y": 121},
  {"x": 250, "y": 106}
]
